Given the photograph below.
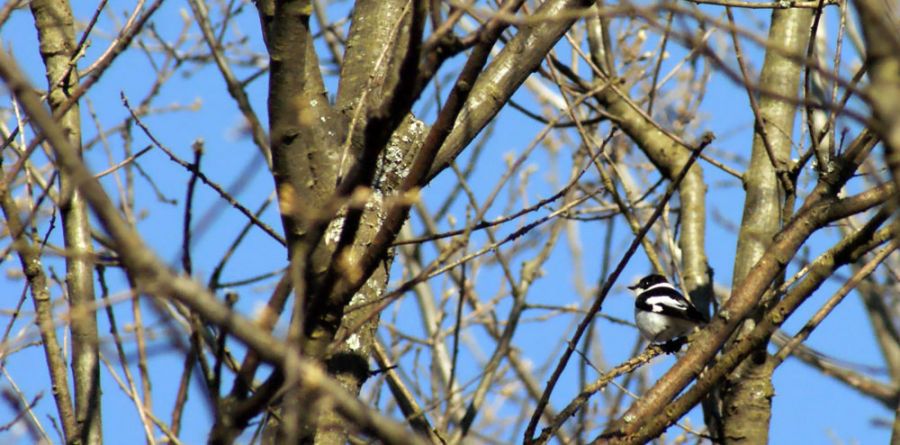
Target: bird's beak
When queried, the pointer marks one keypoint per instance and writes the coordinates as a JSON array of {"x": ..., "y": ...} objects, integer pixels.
[{"x": 633, "y": 287}]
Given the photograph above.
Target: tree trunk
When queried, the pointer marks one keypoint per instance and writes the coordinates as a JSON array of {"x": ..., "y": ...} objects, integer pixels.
[{"x": 747, "y": 392}]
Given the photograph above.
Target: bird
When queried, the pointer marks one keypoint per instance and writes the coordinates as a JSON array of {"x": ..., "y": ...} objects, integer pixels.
[{"x": 662, "y": 313}]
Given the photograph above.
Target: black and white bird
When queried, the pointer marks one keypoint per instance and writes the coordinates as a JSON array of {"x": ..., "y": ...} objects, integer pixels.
[{"x": 661, "y": 313}]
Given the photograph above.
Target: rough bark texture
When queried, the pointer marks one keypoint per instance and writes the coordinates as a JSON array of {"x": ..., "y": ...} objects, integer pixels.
[
  {"x": 56, "y": 32},
  {"x": 747, "y": 392}
]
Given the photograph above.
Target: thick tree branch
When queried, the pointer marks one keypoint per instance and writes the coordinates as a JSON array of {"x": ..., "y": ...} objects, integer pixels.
[
  {"x": 303, "y": 128},
  {"x": 370, "y": 41}
]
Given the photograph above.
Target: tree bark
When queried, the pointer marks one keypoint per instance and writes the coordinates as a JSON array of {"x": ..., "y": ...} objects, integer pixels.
[
  {"x": 56, "y": 32},
  {"x": 747, "y": 392}
]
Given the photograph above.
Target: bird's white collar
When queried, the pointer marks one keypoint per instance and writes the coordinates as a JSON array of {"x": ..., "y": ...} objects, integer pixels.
[{"x": 659, "y": 286}]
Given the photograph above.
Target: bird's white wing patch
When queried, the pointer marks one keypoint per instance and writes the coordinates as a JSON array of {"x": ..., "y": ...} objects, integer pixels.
[{"x": 658, "y": 302}]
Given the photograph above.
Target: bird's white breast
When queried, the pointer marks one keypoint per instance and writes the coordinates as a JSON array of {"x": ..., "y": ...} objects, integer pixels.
[{"x": 660, "y": 328}]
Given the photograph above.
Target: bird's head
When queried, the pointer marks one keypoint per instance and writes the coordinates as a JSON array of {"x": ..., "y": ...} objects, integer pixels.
[{"x": 648, "y": 282}]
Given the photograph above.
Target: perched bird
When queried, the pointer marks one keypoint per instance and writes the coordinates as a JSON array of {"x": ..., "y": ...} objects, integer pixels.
[{"x": 661, "y": 313}]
